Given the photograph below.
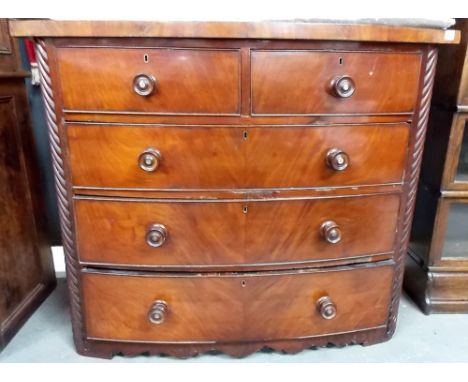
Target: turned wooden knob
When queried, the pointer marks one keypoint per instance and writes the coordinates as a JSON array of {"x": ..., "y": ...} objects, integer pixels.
[
  {"x": 149, "y": 160},
  {"x": 144, "y": 84},
  {"x": 158, "y": 312},
  {"x": 156, "y": 235},
  {"x": 343, "y": 86},
  {"x": 330, "y": 231},
  {"x": 326, "y": 308},
  {"x": 337, "y": 159}
]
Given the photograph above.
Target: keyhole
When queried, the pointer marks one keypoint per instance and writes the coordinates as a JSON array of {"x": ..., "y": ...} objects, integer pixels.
[
  {"x": 145, "y": 58},
  {"x": 340, "y": 60},
  {"x": 245, "y": 209},
  {"x": 245, "y": 135},
  {"x": 243, "y": 283}
]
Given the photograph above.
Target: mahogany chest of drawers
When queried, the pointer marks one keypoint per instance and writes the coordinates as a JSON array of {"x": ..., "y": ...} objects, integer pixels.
[{"x": 234, "y": 186}]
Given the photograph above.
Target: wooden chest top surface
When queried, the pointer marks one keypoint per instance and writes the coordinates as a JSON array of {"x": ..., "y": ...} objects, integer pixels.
[{"x": 215, "y": 29}]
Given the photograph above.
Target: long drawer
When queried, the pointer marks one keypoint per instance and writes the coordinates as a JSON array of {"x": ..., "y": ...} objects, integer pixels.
[
  {"x": 157, "y": 81},
  {"x": 234, "y": 307},
  {"x": 168, "y": 157},
  {"x": 216, "y": 234},
  {"x": 314, "y": 82}
]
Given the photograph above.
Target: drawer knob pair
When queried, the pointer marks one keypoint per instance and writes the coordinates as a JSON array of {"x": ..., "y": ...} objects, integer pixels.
[
  {"x": 144, "y": 84},
  {"x": 149, "y": 160},
  {"x": 158, "y": 312},
  {"x": 326, "y": 308},
  {"x": 343, "y": 86},
  {"x": 156, "y": 235}
]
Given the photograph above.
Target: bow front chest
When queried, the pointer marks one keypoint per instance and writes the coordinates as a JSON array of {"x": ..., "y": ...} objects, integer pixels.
[{"x": 233, "y": 186}]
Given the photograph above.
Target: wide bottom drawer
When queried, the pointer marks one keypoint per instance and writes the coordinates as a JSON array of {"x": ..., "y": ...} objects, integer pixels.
[{"x": 235, "y": 307}]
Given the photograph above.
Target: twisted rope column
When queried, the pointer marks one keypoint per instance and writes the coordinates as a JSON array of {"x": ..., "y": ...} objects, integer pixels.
[
  {"x": 412, "y": 178},
  {"x": 63, "y": 200}
]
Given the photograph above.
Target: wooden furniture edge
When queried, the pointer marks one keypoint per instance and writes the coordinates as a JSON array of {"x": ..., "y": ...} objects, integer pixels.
[
  {"x": 24, "y": 311},
  {"x": 412, "y": 172},
  {"x": 420, "y": 285},
  {"x": 234, "y": 30}
]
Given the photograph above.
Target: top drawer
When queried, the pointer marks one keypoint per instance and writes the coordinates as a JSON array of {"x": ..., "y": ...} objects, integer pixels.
[
  {"x": 305, "y": 82},
  {"x": 185, "y": 81}
]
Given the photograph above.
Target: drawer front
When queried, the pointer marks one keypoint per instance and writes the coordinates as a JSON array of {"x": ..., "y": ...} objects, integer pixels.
[
  {"x": 302, "y": 82},
  {"x": 186, "y": 80},
  {"x": 231, "y": 157},
  {"x": 216, "y": 234},
  {"x": 242, "y": 307}
]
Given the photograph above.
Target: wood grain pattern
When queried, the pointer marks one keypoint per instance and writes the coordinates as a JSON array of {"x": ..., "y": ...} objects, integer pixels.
[
  {"x": 242, "y": 307},
  {"x": 26, "y": 269},
  {"x": 227, "y": 30},
  {"x": 222, "y": 234},
  {"x": 224, "y": 157},
  {"x": 299, "y": 82},
  {"x": 17, "y": 255},
  {"x": 199, "y": 81}
]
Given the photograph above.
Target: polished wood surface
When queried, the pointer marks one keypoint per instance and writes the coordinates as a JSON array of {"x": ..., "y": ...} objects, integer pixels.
[
  {"x": 300, "y": 82},
  {"x": 26, "y": 270},
  {"x": 296, "y": 197},
  {"x": 241, "y": 307},
  {"x": 187, "y": 80},
  {"x": 212, "y": 234},
  {"x": 232, "y": 157},
  {"x": 435, "y": 291},
  {"x": 214, "y": 29}
]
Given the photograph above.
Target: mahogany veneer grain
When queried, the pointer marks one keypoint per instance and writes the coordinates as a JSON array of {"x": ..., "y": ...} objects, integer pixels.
[{"x": 213, "y": 235}]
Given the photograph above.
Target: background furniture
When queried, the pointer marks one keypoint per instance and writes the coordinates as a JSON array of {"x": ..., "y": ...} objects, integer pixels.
[
  {"x": 26, "y": 269},
  {"x": 437, "y": 262},
  {"x": 232, "y": 186}
]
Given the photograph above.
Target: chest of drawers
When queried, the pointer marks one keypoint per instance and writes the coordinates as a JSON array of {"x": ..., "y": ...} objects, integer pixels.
[{"x": 234, "y": 186}]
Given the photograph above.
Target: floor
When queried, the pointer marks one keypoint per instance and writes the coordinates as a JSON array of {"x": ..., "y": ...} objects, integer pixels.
[{"x": 46, "y": 337}]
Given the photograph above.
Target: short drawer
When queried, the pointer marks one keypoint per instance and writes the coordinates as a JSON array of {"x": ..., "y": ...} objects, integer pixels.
[
  {"x": 314, "y": 82},
  {"x": 235, "y": 157},
  {"x": 200, "y": 81},
  {"x": 219, "y": 234},
  {"x": 234, "y": 307}
]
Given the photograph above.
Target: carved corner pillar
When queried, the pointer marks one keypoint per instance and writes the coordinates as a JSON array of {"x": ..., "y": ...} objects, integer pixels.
[
  {"x": 418, "y": 136},
  {"x": 64, "y": 200}
]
